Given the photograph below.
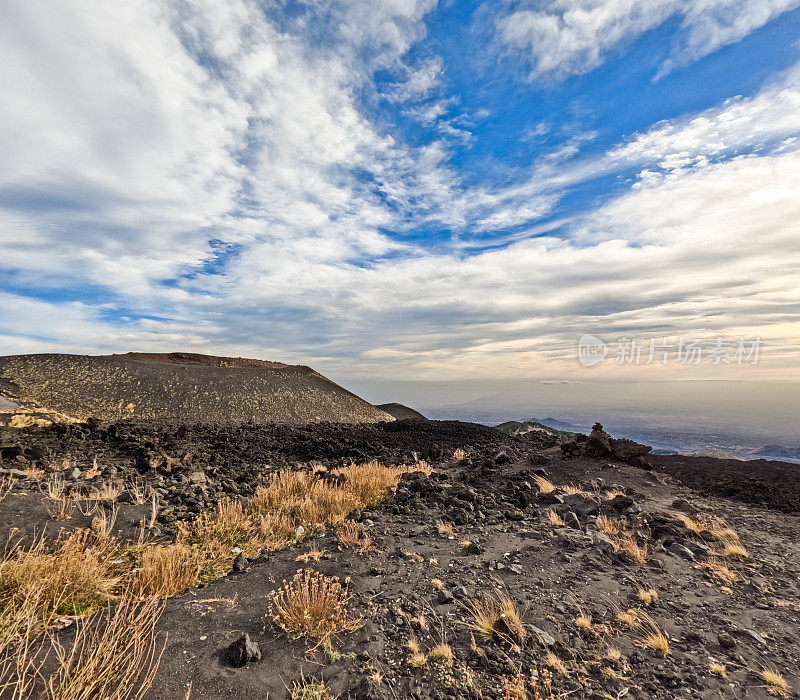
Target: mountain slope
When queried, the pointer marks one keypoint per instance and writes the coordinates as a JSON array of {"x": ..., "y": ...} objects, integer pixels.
[
  {"x": 400, "y": 412},
  {"x": 181, "y": 387}
]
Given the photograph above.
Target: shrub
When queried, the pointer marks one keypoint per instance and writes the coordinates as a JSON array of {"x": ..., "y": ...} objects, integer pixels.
[{"x": 313, "y": 606}]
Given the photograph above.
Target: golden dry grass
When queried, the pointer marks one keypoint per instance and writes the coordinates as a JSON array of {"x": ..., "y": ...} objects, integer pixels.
[
  {"x": 459, "y": 455},
  {"x": 55, "y": 486},
  {"x": 554, "y": 518},
  {"x": 351, "y": 534},
  {"x": 514, "y": 687},
  {"x": 734, "y": 550},
  {"x": 114, "y": 656},
  {"x": 165, "y": 570},
  {"x": 445, "y": 528},
  {"x": 6, "y": 485},
  {"x": 573, "y": 490},
  {"x": 648, "y": 596},
  {"x": 607, "y": 525},
  {"x": 638, "y": 553},
  {"x": 86, "y": 570},
  {"x": 628, "y": 617},
  {"x": 556, "y": 664},
  {"x": 650, "y": 635},
  {"x": 487, "y": 611},
  {"x": 60, "y": 508},
  {"x": 73, "y": 577},
  {"x": 718, "y": 669},
  {"x": 310, "y": 690},
  {"x": 442, "y": 653},
  {"x": 313, "y": 554},
  {"x": 106, "y": 492},
  {"x": 774, "y": 683},
  {"x": 720, "y": 570},
  {"x": 544, "y": 485},
  {"x": 723, "y": 533},
  {"x": 312, "y": 606},
  {"x": 416, "y": 657},
  {"x": 584, "y": 622},
  {"x": 33, "y": 473}
]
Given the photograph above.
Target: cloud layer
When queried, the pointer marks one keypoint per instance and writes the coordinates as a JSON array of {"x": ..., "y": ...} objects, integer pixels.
[
  {"x": 222, "y": 176},
  {"x": 564, "y": 37}
]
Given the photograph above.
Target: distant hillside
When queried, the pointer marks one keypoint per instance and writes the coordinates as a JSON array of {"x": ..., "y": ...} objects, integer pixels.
[
  {"x": 401, "y": 412},
  {"x": 513, "y": 427},
  {"x": 180, "y": 387}
]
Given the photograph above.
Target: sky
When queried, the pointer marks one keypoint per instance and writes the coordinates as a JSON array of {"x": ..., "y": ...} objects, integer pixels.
[{"x": 404, "y": 188}]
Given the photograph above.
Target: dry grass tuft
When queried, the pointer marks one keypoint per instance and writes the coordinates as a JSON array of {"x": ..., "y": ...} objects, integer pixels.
[
  {"x": 650, "y": 634},
  {"x": 584, "y": 622},
  {"x": 544, "y": 485},
  {"x": 638, "y": 553},
  {"x": 313, "y": 554},
  {"x": 775, "y": 684},
  {"x": 55, "y": 486},
  {"x": 720, "y": 530},
  {"x": 554, "y": 518},
  {"x": 103, "y": 523},
  {"x": 167, "y": 570},
  {"x": 628, "y": 617},
  {"x": 437, "y": 583},
  {"x": 106, "y": 492},
  {"x": 74, "y": 576},
  {"x": 442, "y": 653},
  {"x": 556, "y": 664},
  {"x": 514, "y": 687},
  {"x": 612, "y": 655},
  {"x": 459, "y": 455},
  {"x": 445, "y": 528},
  {"x": 720, "y": 570},
  {"x": 310, "y": 690},
  {"x": 114, "y": 656},
  {"x": 84, "y": 571},
  {"x": 313, "y": 606},
  {"x": 487, "y": 611},
  {"x": 6, "y": 485},
  {"x": 734, "y": 550},
  {"x": 648, "y": 596},
  {"x": 416, "y": 657},
  {"x": 573, "y": 490},
  {"x": 351, "y": 534},
  {"x": 607, "y": 525},
  {"x": 33, "y": 473},
  {"x": 719, "y": 669},
  {"x": 60, "y": 508}
]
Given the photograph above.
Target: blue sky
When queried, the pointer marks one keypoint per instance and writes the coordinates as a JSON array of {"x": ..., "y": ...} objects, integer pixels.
[{"x": 429, "y": 190}]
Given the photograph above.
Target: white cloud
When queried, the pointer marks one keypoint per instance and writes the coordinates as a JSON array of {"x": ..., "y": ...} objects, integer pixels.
[
  {"x": 770, "y": 115},
  {"x": 564, "y": 37},
  {"x": 419, "y": 83},
  {"x": 131, "y": 142}
]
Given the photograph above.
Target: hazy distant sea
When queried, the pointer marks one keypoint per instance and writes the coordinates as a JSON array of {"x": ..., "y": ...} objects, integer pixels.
[{"x": 665, "y": 439}]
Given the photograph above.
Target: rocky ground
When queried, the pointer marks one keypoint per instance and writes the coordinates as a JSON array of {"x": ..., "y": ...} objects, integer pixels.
[{"x": 482, "y": 523}]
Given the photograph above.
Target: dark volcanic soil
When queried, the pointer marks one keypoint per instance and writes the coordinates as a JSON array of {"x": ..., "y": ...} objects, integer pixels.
[
  {"x": 759, "y": 481},
  {"x": 414, "y": 581}
]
